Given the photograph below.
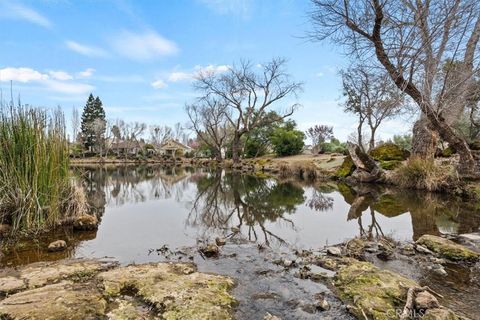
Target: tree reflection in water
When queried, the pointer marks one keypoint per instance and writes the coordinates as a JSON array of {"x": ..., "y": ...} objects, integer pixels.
[{"x": 249, "y": 203}]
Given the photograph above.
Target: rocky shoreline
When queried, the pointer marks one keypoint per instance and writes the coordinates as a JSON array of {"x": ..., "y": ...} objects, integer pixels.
[{"x": 373, "y": 279}]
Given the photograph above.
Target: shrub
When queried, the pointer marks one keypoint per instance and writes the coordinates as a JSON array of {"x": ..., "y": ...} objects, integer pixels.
[
  {"x": 35, "y": 186},
  {"x": 418, "y": 173},
  {"x": 287, "y": 142}
]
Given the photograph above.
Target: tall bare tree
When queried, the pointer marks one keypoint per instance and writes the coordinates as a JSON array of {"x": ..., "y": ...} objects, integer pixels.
[
  {"x": 160, "y": 134},
  {"x": 319, "y": 133},
  {"x": 75, "y": 124},
  {"x": 208, "y": 118},
  {"x": 249, "y": 92},
  {"x": 413, "y": 40},
  {"x": 372, "y": 96}
]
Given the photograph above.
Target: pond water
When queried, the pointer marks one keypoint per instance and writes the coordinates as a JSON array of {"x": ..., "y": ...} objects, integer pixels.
[
  {"x": 146, "y": 207},
  {"x": 152, "y": 213}
]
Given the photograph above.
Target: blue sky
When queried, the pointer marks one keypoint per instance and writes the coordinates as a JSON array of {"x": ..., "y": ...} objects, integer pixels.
[{"x": 140, "y": 56}]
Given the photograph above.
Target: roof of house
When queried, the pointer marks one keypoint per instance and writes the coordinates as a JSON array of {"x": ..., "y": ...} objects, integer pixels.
[{"x": 171, "y": 143}]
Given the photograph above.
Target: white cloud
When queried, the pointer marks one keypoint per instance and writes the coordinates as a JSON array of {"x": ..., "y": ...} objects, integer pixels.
[
  {"x": 85, "y": 50},
  {"x": 21, "y": 75},
  {"x": 143, "y": 46},
  {"x": 68, "y": 87},
  {"x": 60, "y": 75},
  {"x": 177, "y": 76},
  {"x": 241, "y": 8},
  {"x": 320, "y": 74},
  {"x": 10, "y": 9},
  {"x": 57, "y": 81},
  {"x": 159, "y": 84},
  {"x": 87, "y": 73}
]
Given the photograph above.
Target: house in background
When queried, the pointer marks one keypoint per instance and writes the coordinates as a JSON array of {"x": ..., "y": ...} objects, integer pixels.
[{"x": 173, "y": 148}]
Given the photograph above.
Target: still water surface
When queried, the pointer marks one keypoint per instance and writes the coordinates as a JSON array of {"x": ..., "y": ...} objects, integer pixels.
[{"x": 146, "y": 207}]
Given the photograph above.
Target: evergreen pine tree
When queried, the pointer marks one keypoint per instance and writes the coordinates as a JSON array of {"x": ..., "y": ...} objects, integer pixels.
[{"x": 93, "y": 115}]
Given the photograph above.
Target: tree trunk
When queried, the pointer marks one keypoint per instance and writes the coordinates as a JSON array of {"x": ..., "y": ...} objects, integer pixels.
[
  {"x": 371, "y": 143},
  {"x": 235, "y": 149},
  {"x": 424, "y": 142},
  {"x": 359, "y": 134}
]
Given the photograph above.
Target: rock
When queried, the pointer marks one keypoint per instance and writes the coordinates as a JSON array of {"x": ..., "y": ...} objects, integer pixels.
[
  {"x": 175, "y": 290},
  {"x": 334, "y": 251},
  {"x": 269, "y": 316},
  {"x": 439, "y": 269},
  {"x": 64, "y": 300},
  {"x": 235, "y": 229},
  {"x": 370, "y": 290},
  {"x": 321, "y": 303},
  {"x": 408, "y": 250},
  {"x": 42, "y": 273},
  {"x": 448, "y": 249},
  {"x": 422, "y": 249},
  {"x": 220, "y": 241},
  {"x": 425, "y": 300},
  {"x": 474, "y": 237},
  {"x": 346, "y": 169},
  {"x": 56, "y": 246},
  {"x": 288, "y": 263},
  {"x": 210, "y": 250},
  {"x": 85, "y": 222},
  {"x": 440, "y": 314},
  {"x": 5, "y": 229}
]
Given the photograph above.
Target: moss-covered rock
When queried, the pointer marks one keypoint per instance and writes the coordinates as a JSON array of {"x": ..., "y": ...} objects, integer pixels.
[
  {"x": 346, "y": 169},
  {"x": 372, "y": 292},
  {"x": 447, "y": 152},
  {"x": 389, "y": 152},
  {"x": 177, "y": 290},
  {"x": 447, "y": 248}
]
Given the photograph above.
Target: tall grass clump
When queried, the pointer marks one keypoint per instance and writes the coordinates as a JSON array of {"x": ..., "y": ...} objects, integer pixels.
[
  {"x": 36, "y": 191},
  {"x": 418, "y": 173}
]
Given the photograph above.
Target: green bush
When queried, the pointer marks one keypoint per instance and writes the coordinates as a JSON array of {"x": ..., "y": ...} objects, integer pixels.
[{"x": 287, "y": 141}]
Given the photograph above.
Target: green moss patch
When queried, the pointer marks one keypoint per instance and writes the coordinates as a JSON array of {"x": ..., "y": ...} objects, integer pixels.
[
  {"x": 447, "y": 248},
  {"x": 346, "y": 169},
  {"x": 372, "y": 292},
  {"x": 389, "y": 152}
]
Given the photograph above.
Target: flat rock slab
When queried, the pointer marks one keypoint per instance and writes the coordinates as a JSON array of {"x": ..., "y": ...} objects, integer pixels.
[
  {"x": 99, "y": 289},
  {"x": 447, "y": 248},
  {"x": 42, "y": 273},
  {"x": 63, "y": 300},
  {"x": 176, "y": 291}
]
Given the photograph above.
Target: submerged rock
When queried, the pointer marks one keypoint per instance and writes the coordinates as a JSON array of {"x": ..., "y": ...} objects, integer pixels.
[
  {"x": 176, "y": 291},
  {"x": 447, "y": 248},
  {"x": 210, "y": 250},
  {"x": 58, "y": 245}
]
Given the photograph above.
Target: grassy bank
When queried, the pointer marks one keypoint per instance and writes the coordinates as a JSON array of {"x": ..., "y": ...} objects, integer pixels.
[{"x": 35, "y": 186}]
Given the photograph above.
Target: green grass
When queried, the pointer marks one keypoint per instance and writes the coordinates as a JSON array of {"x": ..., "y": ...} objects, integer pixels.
[{"x": 35, "y": 186}]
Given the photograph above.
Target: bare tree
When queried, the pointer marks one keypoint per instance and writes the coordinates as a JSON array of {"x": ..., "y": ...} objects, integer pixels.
[
  {"x": 160, "y": 134},
  {"x": 75, "y": 124},
  {"x": 372, "y": 96},
  {"x": 413, "y": 41},
  {"x": 249, "y": 94},
  {"x": 319, "y": 134},
  {"x": 208, "y": 118}
]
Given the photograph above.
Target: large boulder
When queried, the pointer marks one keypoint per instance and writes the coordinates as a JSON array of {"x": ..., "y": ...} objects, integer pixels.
[
  {"x": 367, "y": 169},
  {"x": 447, "y": 248}
]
